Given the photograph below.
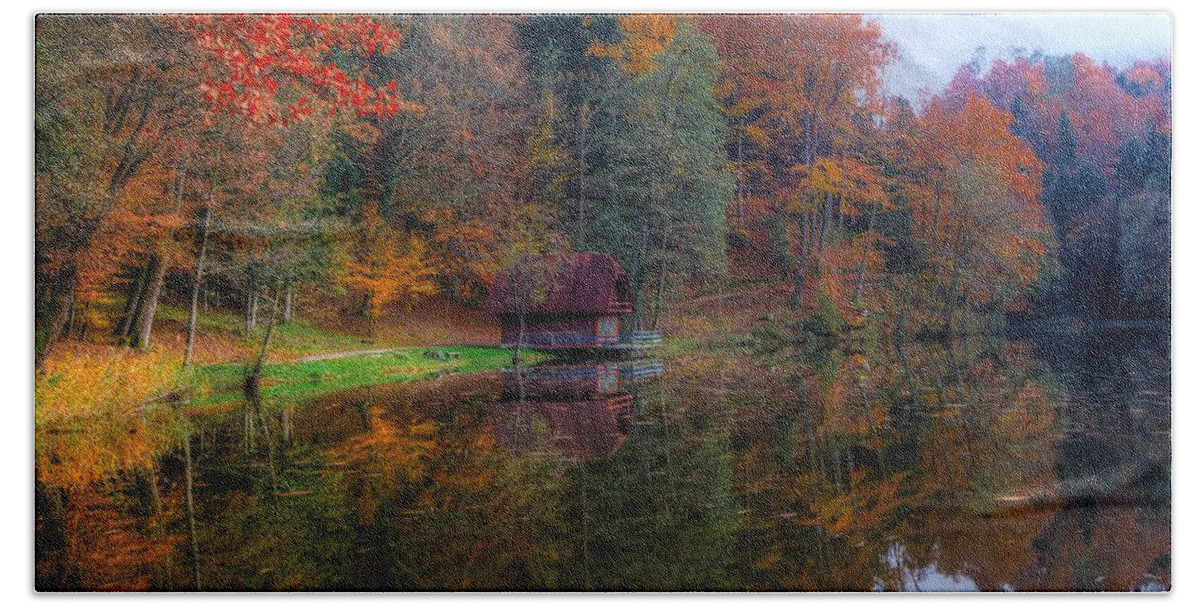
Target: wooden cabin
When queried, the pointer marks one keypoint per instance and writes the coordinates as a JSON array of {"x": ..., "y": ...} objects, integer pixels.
[{"x": 569, "y": 302}]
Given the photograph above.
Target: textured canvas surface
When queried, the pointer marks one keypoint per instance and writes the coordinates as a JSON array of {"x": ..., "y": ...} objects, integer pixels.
[{"x": 719, "y": 302}]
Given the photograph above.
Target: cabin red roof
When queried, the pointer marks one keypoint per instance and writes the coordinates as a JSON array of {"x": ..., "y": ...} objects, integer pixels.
[{"x": 580, "y": 283}]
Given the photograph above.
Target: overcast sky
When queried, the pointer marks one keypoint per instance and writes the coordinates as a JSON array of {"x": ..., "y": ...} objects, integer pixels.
[{"x": 932, "y": 46}]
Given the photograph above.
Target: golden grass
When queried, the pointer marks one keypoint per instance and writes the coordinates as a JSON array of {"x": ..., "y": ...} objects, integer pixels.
[{"x": 95, "y": 412}]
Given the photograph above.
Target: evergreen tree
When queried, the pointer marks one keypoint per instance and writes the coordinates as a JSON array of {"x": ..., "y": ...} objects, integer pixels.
[{"x": 656, "y": 168}]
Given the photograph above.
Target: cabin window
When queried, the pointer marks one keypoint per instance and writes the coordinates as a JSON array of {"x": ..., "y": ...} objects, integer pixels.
[
  {"x": 608, "y": 326},
  {"x": 608, "y": 382}
]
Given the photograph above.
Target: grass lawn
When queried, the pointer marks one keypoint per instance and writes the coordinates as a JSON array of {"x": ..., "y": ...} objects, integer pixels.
[
  {"x": 291, "y": 380},
  {"x": 295, "y": 338}
]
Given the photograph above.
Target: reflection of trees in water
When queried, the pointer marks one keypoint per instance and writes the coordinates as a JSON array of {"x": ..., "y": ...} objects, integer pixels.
[
  {"x": 912, "y": 445},
  {"x": 979, "y": 464},
  {"x": 1113, "y": 530},
  {"x": 974, "y": 434},
  {"x": 102, "y": 509},
  {"x": 659, "y": 514}
]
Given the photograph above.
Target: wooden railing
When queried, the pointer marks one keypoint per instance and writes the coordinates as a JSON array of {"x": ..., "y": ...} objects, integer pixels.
[
  {"x": 563, "y": 338},
  {"x": 643, "y": 338},
  {"x": 576, "y": 338}
]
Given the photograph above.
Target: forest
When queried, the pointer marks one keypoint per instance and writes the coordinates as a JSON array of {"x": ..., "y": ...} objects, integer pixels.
[
  {"x": 237, "y": 159},
  {"x": 245, "y": 157},
  {"x": 238, "y": 214}
]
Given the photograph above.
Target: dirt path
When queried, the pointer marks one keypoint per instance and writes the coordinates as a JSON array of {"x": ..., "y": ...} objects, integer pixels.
[{"x": 344, "y": 354}]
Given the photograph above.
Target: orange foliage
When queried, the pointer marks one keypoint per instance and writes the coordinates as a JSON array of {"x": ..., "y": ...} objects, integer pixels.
[
  {"x": 389, "y": 269},
  {"x": 645, "y": 36},
  {"x": 981, "y": 216},
  {"x": 108, "y": 549}
]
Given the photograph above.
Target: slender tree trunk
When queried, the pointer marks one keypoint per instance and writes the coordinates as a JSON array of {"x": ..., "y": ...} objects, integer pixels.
[
  {"x": 130, "y": 334},
  {"x": 160, "y": 274},
  {"x": 251, "y": 307},
  {"x": 266, "y": 342},
  {"x": 135, "y": 300},
  {"x": 148, "y": 484},
  {"x": 83, "y": 314},
  {"x": 66, "y": 301},
  {"x": 197, "y": 280},
  {"x": 579, "y": 222},
  {"x": 520, "y": 339},
  {"x": 287, "y": 304},
  {"x": 826, "y": 217},
  {"x": 805, "y": 240},
  {"x": 797, "y": 300},
  {"x": 71, "y": 316},
  {"x": 952, "y": 301},
  {"x": 658, "y": 297},
  {"x": 639, "y": 274},
  {"x": 191, "y": 508}
]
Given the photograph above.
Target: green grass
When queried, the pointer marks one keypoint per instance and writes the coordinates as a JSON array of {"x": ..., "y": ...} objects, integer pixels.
[
  {"x": 295, "y": 380},
  {"x": 296, "y": 336}
]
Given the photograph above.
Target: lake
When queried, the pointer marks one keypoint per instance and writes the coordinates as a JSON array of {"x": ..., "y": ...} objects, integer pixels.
[{"x": 989, "y": 464}]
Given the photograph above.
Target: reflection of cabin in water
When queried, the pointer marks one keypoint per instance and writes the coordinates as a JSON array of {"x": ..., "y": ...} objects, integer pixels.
[
  {"x": 578, "y": 304},
  {"x": 579, "y": 412}
]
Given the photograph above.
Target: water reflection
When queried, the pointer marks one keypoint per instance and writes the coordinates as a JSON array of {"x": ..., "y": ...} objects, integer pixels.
[
  {"x": 987, "y": 465},
  {"x": 581, "y": 411}
]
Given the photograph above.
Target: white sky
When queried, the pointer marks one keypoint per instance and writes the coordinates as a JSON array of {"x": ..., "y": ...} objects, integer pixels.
[{"x": 933, "y": 45}]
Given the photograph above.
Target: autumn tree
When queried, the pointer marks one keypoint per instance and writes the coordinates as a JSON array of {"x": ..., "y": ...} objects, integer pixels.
[
  {"x": 387, "y": 268},
  {"x": 801, "y": 89},
  {"x": 641, "y": 141},
  {"x": 154, "y": 78},
  {"x": 656, "y": 161},
  {"x": 981, "y": 217},
  {"x": 1081, "y": 118},
  {"x": 111, "y": 92}
]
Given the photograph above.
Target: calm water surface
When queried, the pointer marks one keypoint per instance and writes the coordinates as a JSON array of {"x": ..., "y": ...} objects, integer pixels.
[{"x": 992, "y": 465}]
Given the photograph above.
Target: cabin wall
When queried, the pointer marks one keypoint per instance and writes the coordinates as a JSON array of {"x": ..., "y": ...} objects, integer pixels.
[{"x": 562, "y": 330}]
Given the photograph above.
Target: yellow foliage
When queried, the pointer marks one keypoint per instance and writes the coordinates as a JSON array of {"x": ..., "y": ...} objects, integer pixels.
[
  {"x": 645, "y": 37},
  {"x": 391, "y": 270},
  {"x": 90, "y": 414}
]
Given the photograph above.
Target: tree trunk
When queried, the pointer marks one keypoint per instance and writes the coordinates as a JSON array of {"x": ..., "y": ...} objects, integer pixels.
[
  {"x": 136, "y": 293},
  {"x": 251, "y": 307},
  {"x": 266, "y": 343},
  {"x": 825, "y": 219},
  {"x": 287, "y": 305},
  {"x": 639, "y": 271},
  {"x": 658, "y": 297},
  {"x": 197, "y": 279},
  {"x": 797, "y": 300},
  {"x": 583, "y": 124},
  {"x": 129, "y": 329},
  {"x": 191, "y": 509},
  {"x": 147, "y": 320},
  {"x": 520, "y": 340},
  {"x": 59, "y": 318}
]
